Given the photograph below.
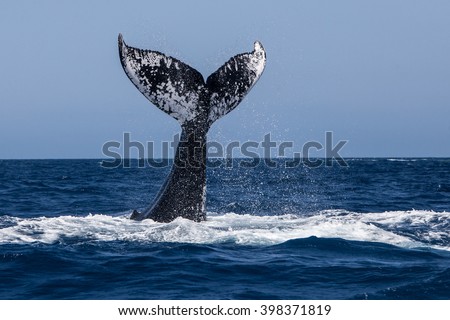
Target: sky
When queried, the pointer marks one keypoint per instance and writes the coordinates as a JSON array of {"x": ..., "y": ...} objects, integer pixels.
[{"x": 374, "y": 73}]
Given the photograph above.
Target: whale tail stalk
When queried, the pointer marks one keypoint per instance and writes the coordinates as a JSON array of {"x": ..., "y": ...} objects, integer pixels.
[{"x": 181, "y": 91}]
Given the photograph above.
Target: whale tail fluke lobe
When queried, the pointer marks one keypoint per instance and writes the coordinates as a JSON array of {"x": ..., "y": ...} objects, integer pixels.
[
  {"x": 181, "y": 91},
  {"x": 171, "y": 85},
  {"x": 232, "y": 81}
]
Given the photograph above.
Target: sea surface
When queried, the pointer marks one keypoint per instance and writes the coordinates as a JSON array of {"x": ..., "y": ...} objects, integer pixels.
[{"x": 375, "y": 229}]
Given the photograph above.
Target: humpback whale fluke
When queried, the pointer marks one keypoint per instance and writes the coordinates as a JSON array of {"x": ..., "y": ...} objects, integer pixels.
[{"x": 181, "y": 91}]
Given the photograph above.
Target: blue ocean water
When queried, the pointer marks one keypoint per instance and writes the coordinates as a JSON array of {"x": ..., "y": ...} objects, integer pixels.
[{"x": 377, "y": 229}]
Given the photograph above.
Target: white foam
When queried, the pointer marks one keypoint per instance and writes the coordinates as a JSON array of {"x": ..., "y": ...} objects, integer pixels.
[{"x": 225, "y": 228}]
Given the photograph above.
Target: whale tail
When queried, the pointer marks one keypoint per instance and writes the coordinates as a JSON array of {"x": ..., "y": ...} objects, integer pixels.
[{"x": 181, "y": 91}]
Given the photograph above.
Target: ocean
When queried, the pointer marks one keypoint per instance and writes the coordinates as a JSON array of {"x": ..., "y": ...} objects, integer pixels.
[{"x": 375, "y": 229}]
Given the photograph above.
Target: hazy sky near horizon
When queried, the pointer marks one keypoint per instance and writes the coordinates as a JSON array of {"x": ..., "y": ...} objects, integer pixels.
[{"x": 375, "y": 73}]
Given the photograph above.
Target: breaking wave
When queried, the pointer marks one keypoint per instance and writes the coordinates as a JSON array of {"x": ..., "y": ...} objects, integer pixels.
[{"x": 408, "y": 229}]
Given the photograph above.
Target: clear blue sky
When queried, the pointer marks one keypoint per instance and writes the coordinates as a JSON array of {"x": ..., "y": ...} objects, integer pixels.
[{"x": 376, "y": 73}]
